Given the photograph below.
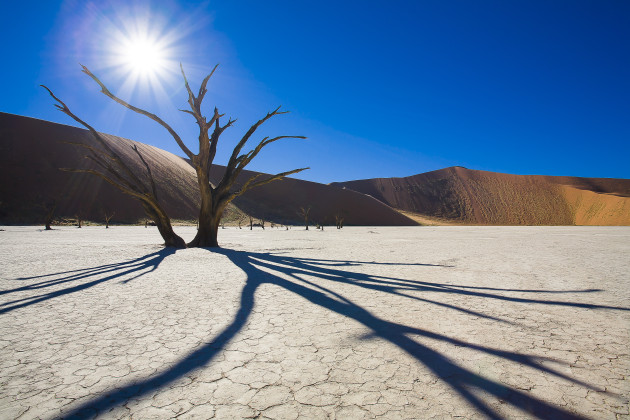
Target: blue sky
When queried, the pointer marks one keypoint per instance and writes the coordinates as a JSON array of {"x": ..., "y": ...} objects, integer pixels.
[{"x": 381, "y": 89}]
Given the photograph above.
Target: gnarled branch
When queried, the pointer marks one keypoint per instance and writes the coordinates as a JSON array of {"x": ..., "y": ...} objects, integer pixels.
[
  {"x": 97, "y": 136},
  {"x": 148, "y": 168},
  {"x": 154, "y": 117},
  {"x": 252, "y": 183}
]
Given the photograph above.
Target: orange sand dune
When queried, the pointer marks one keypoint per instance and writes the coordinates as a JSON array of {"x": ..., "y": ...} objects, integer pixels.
[{"x": 464, "y": 196}]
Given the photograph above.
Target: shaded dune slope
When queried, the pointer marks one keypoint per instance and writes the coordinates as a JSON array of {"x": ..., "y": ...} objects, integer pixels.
[
  {"x": 467, "y": 196},
  {"x": 280, "y": 201},
  {"x": 32, "y": 151}
]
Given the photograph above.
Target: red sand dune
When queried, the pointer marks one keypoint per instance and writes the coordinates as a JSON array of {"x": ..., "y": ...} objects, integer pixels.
[
  {"x": 464, "y": 196},
  {"x": 32, "y": 151}
]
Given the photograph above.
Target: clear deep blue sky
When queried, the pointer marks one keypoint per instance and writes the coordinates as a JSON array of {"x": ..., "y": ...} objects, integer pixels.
[{"x": 380, "y": 88}]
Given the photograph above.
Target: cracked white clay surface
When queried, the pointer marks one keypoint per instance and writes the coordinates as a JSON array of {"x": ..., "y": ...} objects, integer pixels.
[{"x": 359, "y": 323}]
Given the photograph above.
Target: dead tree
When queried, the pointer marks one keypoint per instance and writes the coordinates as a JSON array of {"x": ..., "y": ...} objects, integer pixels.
[
  {"x": 251, "y": 223},
  {"x": 117, "y": 173},
  {"x": 339, "y": 220},
  {"x": 214, "y": 199},
  {"x": 304, "y": 211},
  {"x": 262, "y": 223},
  {"x": 241, "y": 219},
  {"x": 108, "y": 217},
  {"x": 79, "y": 217},
  {"x": 50, "y": 214}
]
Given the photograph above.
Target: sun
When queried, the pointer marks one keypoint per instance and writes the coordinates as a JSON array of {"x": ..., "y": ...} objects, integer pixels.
[{"x": 143, "y": 56}]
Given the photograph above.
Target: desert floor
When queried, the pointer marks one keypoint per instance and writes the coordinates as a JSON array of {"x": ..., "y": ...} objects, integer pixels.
[{"x": 363, "y": 322}]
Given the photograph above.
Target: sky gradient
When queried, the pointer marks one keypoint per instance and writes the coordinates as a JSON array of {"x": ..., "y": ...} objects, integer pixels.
[{"x": 380, "y": 89}]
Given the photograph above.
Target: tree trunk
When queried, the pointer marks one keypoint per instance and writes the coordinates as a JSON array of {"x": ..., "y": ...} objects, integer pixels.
[
  {"x": 171, "y": 239},
  {"x": 207, "y": 234},
  {"x": 163, "y": 223},
  {"x": 209, "y": 221}
]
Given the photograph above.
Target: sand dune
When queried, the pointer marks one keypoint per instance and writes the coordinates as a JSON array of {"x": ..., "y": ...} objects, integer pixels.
[
  {"x": 32, "y": 151},
  {"x": 463, "y": 196},
  {"x": 281, "y": 200}
]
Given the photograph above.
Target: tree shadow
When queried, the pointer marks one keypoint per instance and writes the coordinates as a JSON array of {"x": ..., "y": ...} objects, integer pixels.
[
  {"x": 293, "y": 274},
  {"x": 76, "y": 279}
]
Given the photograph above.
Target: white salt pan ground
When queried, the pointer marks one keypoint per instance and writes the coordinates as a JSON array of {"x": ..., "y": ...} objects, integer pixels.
[{"x": 429, "y": 322}]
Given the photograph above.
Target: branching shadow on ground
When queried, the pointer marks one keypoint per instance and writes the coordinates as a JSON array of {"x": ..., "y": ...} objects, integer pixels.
[
  {"x": 83, "y": 279},
  {"x": 293, "y": 275}
]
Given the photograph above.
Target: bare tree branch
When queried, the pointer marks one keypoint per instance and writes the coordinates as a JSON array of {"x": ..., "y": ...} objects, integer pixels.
[
  {"x": 250, "y": 132},
  {"x": 233, "y": 171},
  {"x": 99, "y": 157},
  {"x": 202, "y": 88},
  {"x": 154, "y": 117},
  {"x": 250, "y": 184},
  {"x": 108, "y": 179},
  {"x": 214, "y": 140},
  {"x": 146, "y": 165},
  {"x": 111, "y": 170},
  {"x": 112, "y": 154}
]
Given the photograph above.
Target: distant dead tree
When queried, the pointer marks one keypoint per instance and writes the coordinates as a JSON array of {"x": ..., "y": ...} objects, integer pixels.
[
  {"x": 240, "y": 220},
  {"x": 117, "y": 173},
  {"x": 79, "y": 217},
  {"x": 50, "y": 213},
  {"x": 339, "y": 220},
  {"x": 108, "y": 217},
  {"x": 304, "y": 211},
  {"x": 214, "y": 199},
  {"x": 262, "y": 223}
]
